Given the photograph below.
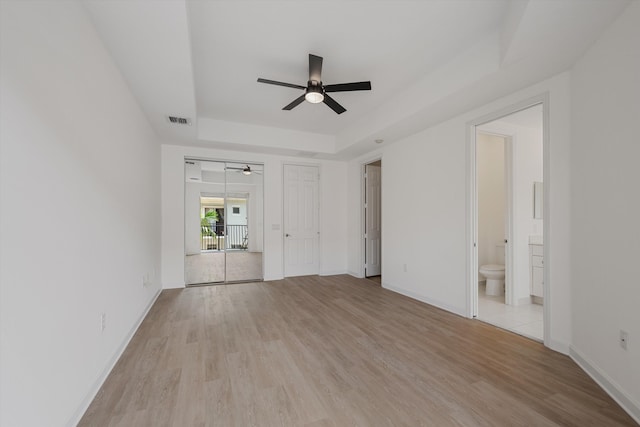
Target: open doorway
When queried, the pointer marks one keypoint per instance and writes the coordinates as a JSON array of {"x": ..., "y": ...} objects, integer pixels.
[
  {"x": 373, "y": 221},
  {"x": 509, "y": 240}
]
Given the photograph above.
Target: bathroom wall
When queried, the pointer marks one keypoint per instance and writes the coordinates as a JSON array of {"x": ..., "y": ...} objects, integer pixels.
[
  {"x": 491, "y": 199},
  {"x": 527, "y": 168},
  {"x": 525, "y": 130}
]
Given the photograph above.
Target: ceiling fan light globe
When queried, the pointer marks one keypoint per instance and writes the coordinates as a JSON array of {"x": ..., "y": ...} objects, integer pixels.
[{"x": 314, "y": 97}]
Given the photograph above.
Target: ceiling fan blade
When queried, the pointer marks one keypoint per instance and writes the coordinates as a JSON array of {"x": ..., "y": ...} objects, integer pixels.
[
  {"x": 315, "y": 68},
  {"x": 347, "y": 87},
  {"x": 295, "y": 103},
  {"x": 273, "y": 82},
  {"x": 333, "y": 104}
]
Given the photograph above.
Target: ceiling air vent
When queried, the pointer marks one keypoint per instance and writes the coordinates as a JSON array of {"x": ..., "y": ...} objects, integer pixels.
[{"x": 179, "y": 120}]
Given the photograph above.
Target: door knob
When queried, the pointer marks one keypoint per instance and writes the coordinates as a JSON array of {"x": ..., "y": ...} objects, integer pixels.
[{"x": 286, "y": 235}]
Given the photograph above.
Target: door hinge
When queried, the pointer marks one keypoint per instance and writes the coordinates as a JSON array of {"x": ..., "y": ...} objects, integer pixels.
[
  {"x": 475, "y": 245},
  {"x": 365, "y": 175},
  {"x": 365, "y": 235},
  {"x": 365, "y": 205}
]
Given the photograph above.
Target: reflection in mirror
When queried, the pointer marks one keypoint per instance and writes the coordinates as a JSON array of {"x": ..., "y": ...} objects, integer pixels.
[
  {"x": 223, "y": 222},
  {"x": 537, "y": 200},
  {"x": 244, "y": 227}
]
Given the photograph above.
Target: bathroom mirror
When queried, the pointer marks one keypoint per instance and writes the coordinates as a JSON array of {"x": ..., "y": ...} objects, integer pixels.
[{"x": 537, "y": 200}]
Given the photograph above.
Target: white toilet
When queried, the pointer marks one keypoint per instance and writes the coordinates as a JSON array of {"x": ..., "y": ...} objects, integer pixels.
[{"x": 495, "y": 278}]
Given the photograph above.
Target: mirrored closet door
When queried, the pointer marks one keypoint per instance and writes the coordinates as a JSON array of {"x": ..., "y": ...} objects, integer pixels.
[{"x": 223, "y": 222}]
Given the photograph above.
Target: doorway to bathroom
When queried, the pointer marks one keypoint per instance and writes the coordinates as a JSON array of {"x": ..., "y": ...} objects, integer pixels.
[
  {"x": 223, "y": 216},
  {"x": 508, "y": 237}
]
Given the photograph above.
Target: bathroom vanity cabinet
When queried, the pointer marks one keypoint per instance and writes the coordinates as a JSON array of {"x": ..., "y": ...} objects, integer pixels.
[{"x": 536, "y": 272}]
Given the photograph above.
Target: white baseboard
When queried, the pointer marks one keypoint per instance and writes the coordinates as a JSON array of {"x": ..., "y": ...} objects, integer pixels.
[
  {"x": 333, "y": 272},
  {"x": 84, "y": 405},
  {"x": 559, "y": 346},
  {"x": 608, "y": 385},
  {"x": 455, "y": 310},
  {"x": 355, "y": 274},
  {"x": 174, "y": 286}
]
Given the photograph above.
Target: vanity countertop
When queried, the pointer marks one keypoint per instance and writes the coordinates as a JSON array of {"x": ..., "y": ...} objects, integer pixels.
[{"x": 535, "y": 240}]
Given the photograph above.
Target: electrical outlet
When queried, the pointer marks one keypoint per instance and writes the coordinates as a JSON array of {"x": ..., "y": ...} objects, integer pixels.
[
  {"x": 103, "y": 321},
  {"x": 624, "y": 339}
]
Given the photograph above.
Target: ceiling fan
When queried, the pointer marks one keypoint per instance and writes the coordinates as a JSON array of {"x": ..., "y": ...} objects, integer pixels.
[
  {"x": 246, "y": 170},
  {"x": 316, "y": 92}
]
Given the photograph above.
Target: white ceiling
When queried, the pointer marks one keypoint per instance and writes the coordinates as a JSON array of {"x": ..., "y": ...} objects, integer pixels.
[{"x": 427, "y": 61}]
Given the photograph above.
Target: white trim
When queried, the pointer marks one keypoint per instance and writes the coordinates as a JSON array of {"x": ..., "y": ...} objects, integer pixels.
[
  {"x": 510, "y": 201},
  {"x": 546, "y": 217},
  {"x": 559, "y": 346},
  {"x": 614, "y": 390},
  {"x": 363, "y": 243},
  {"x": 439, "y": 304},
  {"x": 363, "y": 213},
  {"x": 471, "y": 224},
  {"x": 355, "y": 274},
  {"x": 175, "y": 286},
  {"x": 472, "y": 206},
  {"x": 93, "y": 391},
  {"x": 333, "y": 273}
]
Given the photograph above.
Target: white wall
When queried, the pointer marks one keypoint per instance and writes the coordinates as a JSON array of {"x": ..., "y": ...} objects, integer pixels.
[
  {"x": 606, "y": 208},
  {"x": 79, "y": 181},
  {"x": 431, "y": 168},
  {"x": 333, "y": 210},
  {"x": 428, "y": 168},
  {"x": 527, "y": 169},
  {"x": 490, "y": 160}
]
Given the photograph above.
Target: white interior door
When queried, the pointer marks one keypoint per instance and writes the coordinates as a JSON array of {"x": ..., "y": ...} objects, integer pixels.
[
  {"x": 372, "y": 220},
  {"x": 301, "y": 220}
]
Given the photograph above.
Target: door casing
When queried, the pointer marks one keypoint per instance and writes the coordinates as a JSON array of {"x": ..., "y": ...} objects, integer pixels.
[{"x": 472, "y": 206}]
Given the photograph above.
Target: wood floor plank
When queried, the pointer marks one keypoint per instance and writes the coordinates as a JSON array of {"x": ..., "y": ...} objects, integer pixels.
[{"x": 336, "y": 351}]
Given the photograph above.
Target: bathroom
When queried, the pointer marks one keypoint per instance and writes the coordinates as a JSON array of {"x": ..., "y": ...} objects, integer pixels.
[{"x": 509, "y": 168}]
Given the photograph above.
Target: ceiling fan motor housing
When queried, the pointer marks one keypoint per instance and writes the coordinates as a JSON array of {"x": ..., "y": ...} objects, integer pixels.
[{"x": 314, "y": 92}]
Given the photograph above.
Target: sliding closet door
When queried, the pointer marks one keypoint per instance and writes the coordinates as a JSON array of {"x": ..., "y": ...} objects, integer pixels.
[
  {"x": 204, "y": 222},
  {"x": 223, "y": 222},
  {"x": 244, "y": 228}
]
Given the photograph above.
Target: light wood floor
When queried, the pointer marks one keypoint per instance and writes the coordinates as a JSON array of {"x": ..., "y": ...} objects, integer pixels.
[{"x": 336, "y": 351}]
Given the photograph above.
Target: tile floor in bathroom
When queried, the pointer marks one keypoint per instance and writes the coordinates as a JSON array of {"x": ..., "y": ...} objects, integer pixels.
[{"x": 522, "y": 319}]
